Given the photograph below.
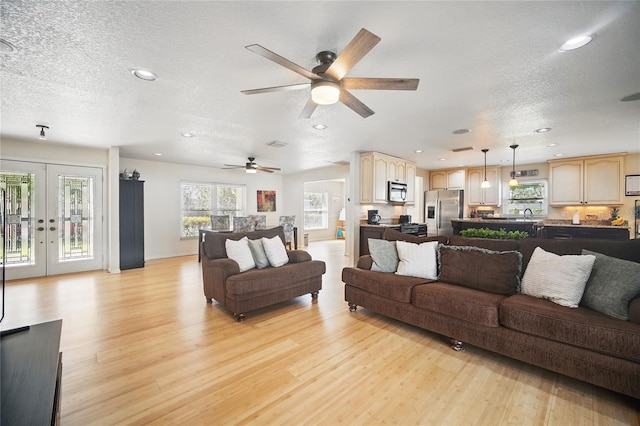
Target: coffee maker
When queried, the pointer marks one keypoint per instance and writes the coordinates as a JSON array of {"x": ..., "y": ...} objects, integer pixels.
[{"x": 373, "y": 218}]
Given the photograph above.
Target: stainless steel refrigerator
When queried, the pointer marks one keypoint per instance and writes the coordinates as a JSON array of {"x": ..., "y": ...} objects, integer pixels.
[{"x": 439, "y": 208}]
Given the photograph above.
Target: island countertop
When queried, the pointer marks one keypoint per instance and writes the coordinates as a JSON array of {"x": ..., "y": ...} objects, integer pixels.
[
  {"x": 538, "y": 222},
  {"x": 543, "y": 222}
]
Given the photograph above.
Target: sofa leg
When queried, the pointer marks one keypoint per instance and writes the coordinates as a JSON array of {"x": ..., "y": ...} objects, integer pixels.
[
  {"x": 352, "y": 307},
  {"x": 314, "y": 295},
  {"x": 240, "y": 317},
  {"x": 209, "y": 300},
  {"x": 457, "y": 345}
]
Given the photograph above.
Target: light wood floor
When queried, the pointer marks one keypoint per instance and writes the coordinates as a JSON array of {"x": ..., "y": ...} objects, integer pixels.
[{"x": 143, "y": 347}]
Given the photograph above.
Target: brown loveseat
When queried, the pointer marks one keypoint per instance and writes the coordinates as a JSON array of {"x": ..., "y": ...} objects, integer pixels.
[
  {"x": 577, "y": 342},
  {"x": 240, "y": 292}
]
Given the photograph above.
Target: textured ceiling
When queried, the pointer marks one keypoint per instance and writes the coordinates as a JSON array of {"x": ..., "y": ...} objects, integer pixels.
[{"x": 492, "y": 67}]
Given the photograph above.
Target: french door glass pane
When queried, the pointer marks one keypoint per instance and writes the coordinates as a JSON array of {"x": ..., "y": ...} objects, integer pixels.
[
  {"x": 20, "y": 229},
  {"x": 76, "y": 221}
]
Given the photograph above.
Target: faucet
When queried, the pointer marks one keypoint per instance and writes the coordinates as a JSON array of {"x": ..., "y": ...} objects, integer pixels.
[{"x": 524, "y": 213}]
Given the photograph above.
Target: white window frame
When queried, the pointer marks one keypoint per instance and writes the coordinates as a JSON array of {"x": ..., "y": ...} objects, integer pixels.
[
  {"x": 324, "y": 211},
  {"x": 508, "y": 204},
  {"x": 191, "y": 231}
]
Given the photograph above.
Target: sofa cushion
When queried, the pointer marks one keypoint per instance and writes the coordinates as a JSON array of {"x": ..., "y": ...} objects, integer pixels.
[
  {"x": 493, "y": 271},
  {"x": 269, "y": 279},
  {"x": 257, "y": 251},
  {"x": 560, "y": 279},
  {"x": 275, "y": 251},
  {"x": 478, "y": 307},
  {"x": 485, "y": 243},
  {"x": 582, "y": 327},
  {"x": 612, "y": 285},
  {"x": 384, "y": 255},
  {"x": 417, "y": 260},
  {"x": 391, "y": 286},
  {"x": 213, "y": 246},
  {"x": 240, "y": 252}
]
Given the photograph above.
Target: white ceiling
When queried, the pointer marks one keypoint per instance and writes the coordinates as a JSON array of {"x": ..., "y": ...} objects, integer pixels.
[{"x": 492, "y": 67}]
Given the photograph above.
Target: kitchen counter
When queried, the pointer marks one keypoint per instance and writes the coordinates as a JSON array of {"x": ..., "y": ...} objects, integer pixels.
[{"x": 538, "y": 222}]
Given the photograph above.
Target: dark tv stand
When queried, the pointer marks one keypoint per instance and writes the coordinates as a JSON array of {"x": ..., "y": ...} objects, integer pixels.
[{"x": 31, "y": 374}]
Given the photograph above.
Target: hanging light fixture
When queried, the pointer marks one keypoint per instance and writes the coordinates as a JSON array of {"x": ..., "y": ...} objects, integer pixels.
[
  {"x": 42, "y": 127},
  {"x": 485, "y": 183},
  {"x": 513, "y": 181},
  {"x": 325, "y": 92}
]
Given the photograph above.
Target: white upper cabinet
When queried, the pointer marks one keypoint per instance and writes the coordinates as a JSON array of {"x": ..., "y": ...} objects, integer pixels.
[
  {"x": 447, "y": 179},
  {"x": 591, "y": 180},
  {"x": 478, "y": 196},
  {"x": 377, "y": 169}
]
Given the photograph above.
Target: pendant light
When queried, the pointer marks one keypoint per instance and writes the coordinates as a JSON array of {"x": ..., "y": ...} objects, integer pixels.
[
  {"x": 42, "y": 134},
  {"x": 485, "y": 183},
  {"x": 513, "y": 181}
]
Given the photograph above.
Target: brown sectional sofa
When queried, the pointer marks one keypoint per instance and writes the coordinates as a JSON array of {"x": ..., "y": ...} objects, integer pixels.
[
  {"x": 241, "y": 292},
  {"x": 577, "y": 342}
]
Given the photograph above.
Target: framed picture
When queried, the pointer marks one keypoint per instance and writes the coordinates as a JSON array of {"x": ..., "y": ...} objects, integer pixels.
[
  {"x": 632, "y": 185},
  {"x": 266, "y": 201}
]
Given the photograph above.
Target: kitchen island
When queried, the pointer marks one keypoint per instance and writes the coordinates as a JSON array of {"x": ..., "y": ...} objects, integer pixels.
[
  {"x": 602, "y": 232},
  {"x": 533, "y": 227}
]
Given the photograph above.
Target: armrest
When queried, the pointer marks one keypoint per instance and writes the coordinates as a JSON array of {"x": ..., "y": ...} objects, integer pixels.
[
  {"x": 297, "y": 256},
  {"x": 365, "y": 262},
  {"x": 214, "y": 276}
]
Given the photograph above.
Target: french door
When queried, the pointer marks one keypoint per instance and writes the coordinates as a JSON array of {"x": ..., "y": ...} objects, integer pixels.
[{"x": 53, "y": 218}]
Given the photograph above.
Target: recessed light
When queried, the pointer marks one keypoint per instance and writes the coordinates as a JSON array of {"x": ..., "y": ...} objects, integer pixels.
[
  {"x": 460, "y": 131},
  {"x": 186, "y": 135},
  {"x": 319, "y": 126},
  {"x": 558, "y": 155},
  {"x": 543, "y": 130},
  {"x": 144, "y": 75},
  {"x": 576, "y": 43},
  {"x": 418, "y": 151},
  {"x": 552, "y": 144},
  {"x": 157, "y": 154},
  {"x": 6, "y": 47},
  {"x": 442, "y": 159}
]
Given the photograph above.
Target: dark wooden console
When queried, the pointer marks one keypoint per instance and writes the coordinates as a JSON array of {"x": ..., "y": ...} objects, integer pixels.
[{"x": 31, "y": 375}]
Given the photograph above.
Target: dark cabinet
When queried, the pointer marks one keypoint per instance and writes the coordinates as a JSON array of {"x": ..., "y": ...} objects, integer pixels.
[
  {"x": 567, "y": 232},
  {"x": 131, "y": 224},
  {"x": 373, "y": 231}
]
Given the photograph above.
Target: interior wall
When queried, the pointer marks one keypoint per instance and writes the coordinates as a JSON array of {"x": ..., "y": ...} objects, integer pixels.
[
  {"x": 335, "y": 195},
  {"x": 162, "y": 214}
]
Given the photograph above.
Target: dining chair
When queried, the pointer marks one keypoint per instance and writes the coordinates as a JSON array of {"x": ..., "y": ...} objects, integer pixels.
[
  {"x": 290, "y": 231},
  {"x": 258, "y": 221},
  {"x": 220, "y": 223},
  {"x": 242, "y": 224}
]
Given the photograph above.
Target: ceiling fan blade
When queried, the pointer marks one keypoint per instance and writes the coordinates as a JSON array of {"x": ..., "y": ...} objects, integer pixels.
[
  {"x": 233, "y": 166},
  {"x": 256, "y": 48},
  {"x": 354, "y": 103},
  {"x": 265, "y": 169},
  {"x": 361, "y": 44},
  {"x": 308, "y": 109},
  {"x": 380, "y": 83},
  {"x": 276, "y": 89}
]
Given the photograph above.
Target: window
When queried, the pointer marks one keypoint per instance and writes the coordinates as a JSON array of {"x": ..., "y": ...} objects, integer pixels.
[
  {"x": 527, "y": 195},
  {"x": 316, "y": 210},
  {"x": 201, "y": 200}
]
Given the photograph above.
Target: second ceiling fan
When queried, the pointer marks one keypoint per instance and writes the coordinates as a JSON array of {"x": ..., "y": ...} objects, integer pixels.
[{"x": 328, "y": 82}]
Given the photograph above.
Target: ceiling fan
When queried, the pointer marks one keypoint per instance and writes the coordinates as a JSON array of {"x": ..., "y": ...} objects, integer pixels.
[
  {"x": 251, "y": 167},
  {"x": 328, "y": 82}
]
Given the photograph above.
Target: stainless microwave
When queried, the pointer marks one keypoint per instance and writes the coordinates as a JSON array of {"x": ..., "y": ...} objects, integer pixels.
[{"x": 396, "y": 192}]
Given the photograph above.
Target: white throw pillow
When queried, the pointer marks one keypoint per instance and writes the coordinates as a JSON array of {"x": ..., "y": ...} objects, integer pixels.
[
  {"x": 276, "y": 253},
  {"x": 241, "y": 253},
  {"x": 560, "y": 279},
  {"x": 418, "y": 260}
]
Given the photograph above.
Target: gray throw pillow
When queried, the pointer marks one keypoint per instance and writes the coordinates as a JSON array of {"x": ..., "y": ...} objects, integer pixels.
[
  {"x": 384, "y": 255},
  {"x": 613, "y": 284},
  {"x": 257, "y": 251}
]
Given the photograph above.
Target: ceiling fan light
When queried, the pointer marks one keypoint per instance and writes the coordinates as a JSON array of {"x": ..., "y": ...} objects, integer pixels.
[
  {"x": 325, "y": 92},
  {"x": 251, "y": 170}
]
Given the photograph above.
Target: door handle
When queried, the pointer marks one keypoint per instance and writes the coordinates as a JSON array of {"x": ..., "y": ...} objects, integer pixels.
[
  {"x": 41, "y": 228},
  {"x": 53, "y": 228}
]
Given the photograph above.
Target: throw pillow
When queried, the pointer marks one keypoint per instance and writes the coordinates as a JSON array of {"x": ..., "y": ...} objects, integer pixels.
[
  {"x": 275, "y": 251},
  {"x": 613, "y": 284},
  {"x": 259, "y": 256},
  {"x": 417, "y": 260},
  {"x": 241, "y": 253},
  {"x": 560, "y": 279},
  {"x": 383, "y": 254},
  {"x": 492, "y": 271}
]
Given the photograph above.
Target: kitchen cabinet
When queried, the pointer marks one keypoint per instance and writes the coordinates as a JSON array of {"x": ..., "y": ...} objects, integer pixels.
[
  {"x": 447, "y": 179},
  {"x": 580, "y": 231},
  {"x": 477, "y": 196},
  {"x": 591, "y": 180},
  {"x": 377, "y": 169}
]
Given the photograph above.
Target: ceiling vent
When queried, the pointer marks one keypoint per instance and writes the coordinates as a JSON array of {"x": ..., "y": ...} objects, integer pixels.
[
  {"x": 468, "y": 148},
  {"x": 276, "y": 144}
]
